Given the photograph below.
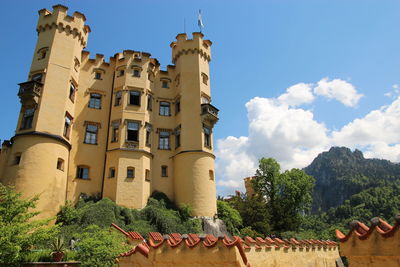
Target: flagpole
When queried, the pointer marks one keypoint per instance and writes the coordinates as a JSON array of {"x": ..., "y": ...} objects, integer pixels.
[{"x": 200, "y": 21}]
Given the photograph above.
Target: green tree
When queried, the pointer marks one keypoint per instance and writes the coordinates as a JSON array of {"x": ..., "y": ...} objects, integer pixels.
[
  {"x": 230, "y": 216},
  {"x": 19, "y": 233},
  {"x": 99, "y": 247},
  {"x": 288, "y": 195}
]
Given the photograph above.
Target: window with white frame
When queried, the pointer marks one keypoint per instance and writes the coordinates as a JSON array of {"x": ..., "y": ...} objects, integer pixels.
[
  {"x": 82, "y": 172},
  {"x": 72, "y": 90},
  {"x": 132, "y": 131},
  {"x": 67, "y": 125},
  {"x": 91, "y": 134},
  {"x": 95, "y": 101},
  {"x": 163, "y": 140},
  {"x": 165, "y": 108}
]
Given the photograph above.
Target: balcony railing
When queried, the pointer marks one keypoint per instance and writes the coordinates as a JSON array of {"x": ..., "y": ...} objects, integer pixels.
[
  {"x": 30, "y": 90},
  {"x": 131, "y": 144},
  {"x": 209, "y": 113}
]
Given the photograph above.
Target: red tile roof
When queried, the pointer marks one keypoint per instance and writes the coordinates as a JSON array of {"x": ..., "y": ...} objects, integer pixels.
[
  {"x": 131, "y": 235},
  {"x": 156, "y": 240},
  {"x": 363, "y": 232}
]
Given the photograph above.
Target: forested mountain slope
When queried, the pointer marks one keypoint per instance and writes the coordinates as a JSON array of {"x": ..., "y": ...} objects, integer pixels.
[{"x": 341, "y": 173}]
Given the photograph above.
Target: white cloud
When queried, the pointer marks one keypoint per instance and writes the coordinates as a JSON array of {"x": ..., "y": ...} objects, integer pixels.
[
  {"x": 338, "y": 89},
  {"x": 294, "y": 138},
  {"x": 297, "y": 94}
]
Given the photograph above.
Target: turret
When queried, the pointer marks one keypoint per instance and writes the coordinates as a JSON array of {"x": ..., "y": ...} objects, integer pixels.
[
  {"x": 39, "y": 152},
  {"x": 194, "y": 182}
]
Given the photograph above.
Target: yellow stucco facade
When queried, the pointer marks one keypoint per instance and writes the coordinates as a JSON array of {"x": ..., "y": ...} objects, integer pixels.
[{"x": 120, "y": 129}]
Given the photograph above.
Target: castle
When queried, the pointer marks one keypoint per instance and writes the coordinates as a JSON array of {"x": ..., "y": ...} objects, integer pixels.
[{"x": 120, "y": 129}]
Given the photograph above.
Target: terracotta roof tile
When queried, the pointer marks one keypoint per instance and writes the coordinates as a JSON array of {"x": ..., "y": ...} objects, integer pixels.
[
  {"x": 135, "y": 236},
  {"x": 156, "y": 236},
  {"x": 363, "y": 232},
  {"x": 155, "y": 240}
]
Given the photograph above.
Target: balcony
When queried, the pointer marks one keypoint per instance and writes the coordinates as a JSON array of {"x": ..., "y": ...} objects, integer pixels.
[
  {"x": 131, "y": 144},
  {"x": 209, "y": 113},
  {"x": 30, "y": 91}
]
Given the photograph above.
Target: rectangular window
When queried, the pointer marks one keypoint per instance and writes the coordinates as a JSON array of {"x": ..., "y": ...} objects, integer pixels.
[
  {"x": 121, "y": 73},
  {"x": 17, "y": 158},
  {"x": 60, "y": 164},
  {"x": 67, "y": 126},
  {"x": 164, "y": 171},
  {"x": 95, "y": 101},
  {"x": 211, "y": 174},
  {"x": 72, "y": 92},
  {"x": 114, "y": 133},
  {"x": 111, "y": 172},
  {"x": 91, "y": 134},
  {"x": 178, "y": 137},
  {"x": 164, "y": 140},
  {"x": 148, "y": 134},
  {"x": 207, "y": 137},
  {"x": 130, "y": 172},
  {"x": 27, "y": 120},
  {"x": 177, "y": 106},
  {"x": 133, "y": 131},
  {"x": 164, "y": 108},
  {"x": 82, "y": 172},
  {"x": 97, "y": 75},
  {"x": 118, "y": 98},
  {"x": 147, "y": 175},
  {"x": 149, "y": 102},
  {"x": 165, "y": 84},
  {"x": 136, "y": 73},
  {"x": 134, "y": 98}
]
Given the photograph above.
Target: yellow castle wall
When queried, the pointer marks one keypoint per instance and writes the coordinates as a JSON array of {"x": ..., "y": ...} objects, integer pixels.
[
  {"x": 220, "y": 255},
  {"x": 188, "y": 175},
  {"x": 374, "y": 251}
]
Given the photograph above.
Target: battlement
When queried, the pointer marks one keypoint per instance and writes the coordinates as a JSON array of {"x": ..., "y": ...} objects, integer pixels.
[
  {"x": 184, "y": 46},
  {"x": 58, "y": 18},
  {"x": 98, "y": 60}
]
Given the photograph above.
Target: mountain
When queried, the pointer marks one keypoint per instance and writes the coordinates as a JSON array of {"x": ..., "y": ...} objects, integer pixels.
[{"x": 341, "y": 173}]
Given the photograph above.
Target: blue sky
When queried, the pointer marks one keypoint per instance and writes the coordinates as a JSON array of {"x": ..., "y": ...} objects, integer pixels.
[{"x": 339, "y": 57}]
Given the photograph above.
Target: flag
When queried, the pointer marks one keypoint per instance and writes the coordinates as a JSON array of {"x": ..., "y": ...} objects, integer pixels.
[{"x": 200, "y": 21}]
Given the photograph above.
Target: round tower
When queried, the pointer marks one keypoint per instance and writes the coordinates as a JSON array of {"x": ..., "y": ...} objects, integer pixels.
[
  {"x": 194, "y": 181},
  {"x": 38, "y": 155}
]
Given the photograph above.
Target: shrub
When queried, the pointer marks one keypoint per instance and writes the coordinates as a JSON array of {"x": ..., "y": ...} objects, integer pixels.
[
  {"x": 99, "y": 247},
  {"x": 230, "y": 216}
]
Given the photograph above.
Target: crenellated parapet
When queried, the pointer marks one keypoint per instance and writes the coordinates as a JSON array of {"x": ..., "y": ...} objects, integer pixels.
[
  {"x": 208, "y": 250},
  {"x": 99, "y": 59},
  {"x": 377, "y": 245},
  {"x": 58, "y": 18},
  {"x": 185, "y": 46}
]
